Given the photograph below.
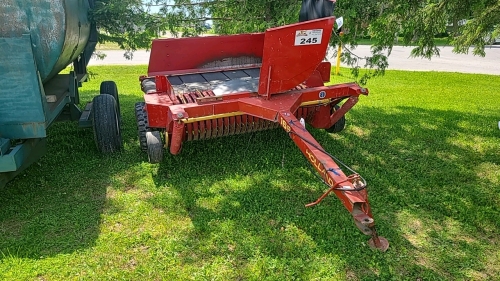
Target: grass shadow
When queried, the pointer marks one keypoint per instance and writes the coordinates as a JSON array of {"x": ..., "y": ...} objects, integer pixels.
[
  {"x": 423, "y": 189},
  {"x": 56, "y": 205}
]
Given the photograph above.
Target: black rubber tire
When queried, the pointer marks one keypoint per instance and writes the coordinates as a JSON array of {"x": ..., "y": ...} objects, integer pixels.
[
  {"x": 110, "y": 88},
  {"x": 141, "y": 118},
  {"x": 339, "y": 126},
  {"x": 155, "y": 147},
  {"x": 107, "y": 133}
]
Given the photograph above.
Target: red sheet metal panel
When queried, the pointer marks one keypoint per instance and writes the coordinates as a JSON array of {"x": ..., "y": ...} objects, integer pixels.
[
  {"x": 187, "y": 55},
  {"x": 292, "y": 53}
]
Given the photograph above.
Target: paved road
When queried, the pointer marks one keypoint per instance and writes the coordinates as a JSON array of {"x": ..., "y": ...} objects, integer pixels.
[
  {"x": 399, "y": 59},
  {"x": 447, "y": 61}
]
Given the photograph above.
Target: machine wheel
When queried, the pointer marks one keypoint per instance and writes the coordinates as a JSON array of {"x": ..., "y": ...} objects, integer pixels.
[
  {"x": 110, "y": 88},
  {"x": 155, "y": 147},
  {"x": 339, "y": 125},
  {"x": 107, "y": 134},
  {"x": 141, "y": 118}
]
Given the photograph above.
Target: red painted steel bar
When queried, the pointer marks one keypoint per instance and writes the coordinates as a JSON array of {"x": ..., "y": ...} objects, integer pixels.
[{"x": 351, "y": 190}]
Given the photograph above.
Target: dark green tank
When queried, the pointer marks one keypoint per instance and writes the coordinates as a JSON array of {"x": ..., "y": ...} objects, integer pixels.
[{"x": 59, "y": 30}]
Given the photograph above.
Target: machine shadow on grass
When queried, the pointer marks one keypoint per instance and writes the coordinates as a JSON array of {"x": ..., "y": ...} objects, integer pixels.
[
  {"x": 41, "y": 218},
  {"x": 55, "y": 206},
  {"x": 429, "y": 197}
]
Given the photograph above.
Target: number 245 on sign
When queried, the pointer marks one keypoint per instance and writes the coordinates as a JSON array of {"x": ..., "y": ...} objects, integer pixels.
[{"x": 308, "y": 37}]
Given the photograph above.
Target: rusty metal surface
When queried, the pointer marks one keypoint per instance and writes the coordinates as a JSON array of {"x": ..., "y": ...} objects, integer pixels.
[
  {"x": 24, "y": 155},
  {"x": 378, "y": 243},
  {"x": 59, "y": 30},
  {"x": 22, "y": 111}
]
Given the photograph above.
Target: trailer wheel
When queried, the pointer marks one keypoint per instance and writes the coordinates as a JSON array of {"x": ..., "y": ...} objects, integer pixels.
[
  {"x": 339, "y": 125},
  {"x": 141, "y": 118},
  {"x": 110, "y": 88},
  {"x": 155, "y": 147},
  {"x": 107, "y": 134}
]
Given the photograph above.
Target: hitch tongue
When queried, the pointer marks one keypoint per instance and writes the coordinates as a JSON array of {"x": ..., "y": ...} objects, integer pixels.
[
  {"x": 378, "y": 242},
  {"x": 365, "y": 223},
  {"x": 320, "y": 198},
  {"x": 353, "y": 179}
]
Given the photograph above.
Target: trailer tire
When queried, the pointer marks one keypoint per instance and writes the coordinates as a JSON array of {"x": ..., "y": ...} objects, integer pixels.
[
  {"x": 155, "y": 147},
  {"x": 107, "y": 133},
  {"x": 141, "y": 118},
  {"x": 110, "y": 88},
  {"x": 339, "y": 126}
]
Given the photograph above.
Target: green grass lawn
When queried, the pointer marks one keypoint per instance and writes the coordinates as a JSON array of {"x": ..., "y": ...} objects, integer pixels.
[{"x": 233, "y": 208}]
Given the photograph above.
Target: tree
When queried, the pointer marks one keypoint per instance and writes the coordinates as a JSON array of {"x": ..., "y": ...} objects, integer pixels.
[
  {"x": 132, "y": 23},
  {"x": 417, "y": 21}
]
